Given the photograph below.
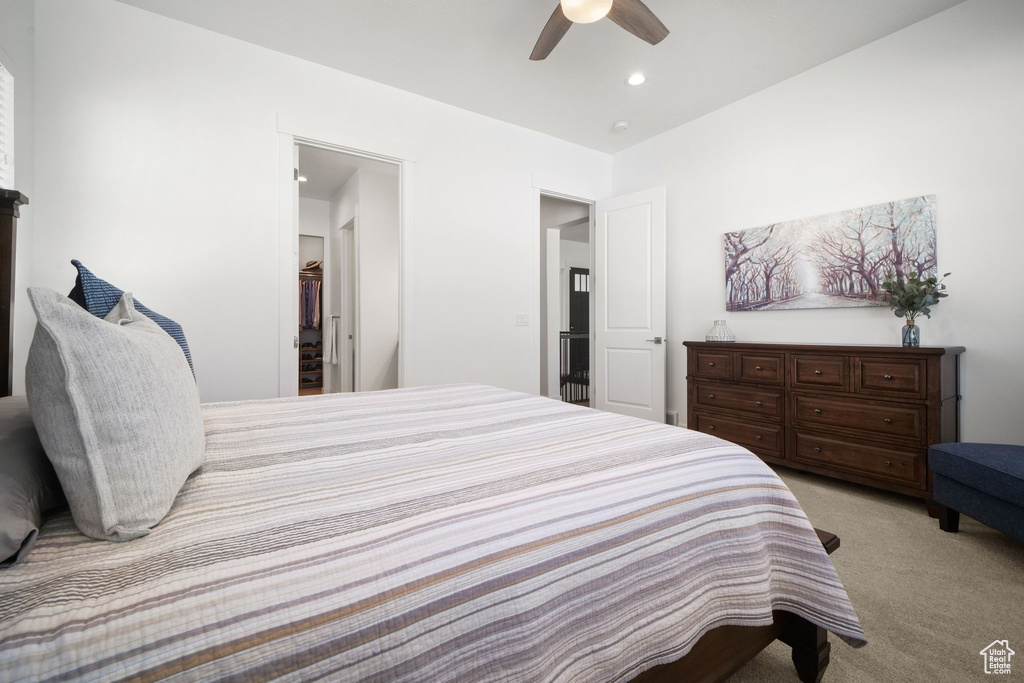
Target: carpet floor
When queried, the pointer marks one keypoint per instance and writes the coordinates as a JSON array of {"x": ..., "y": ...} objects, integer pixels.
[{"x": 928, "y": 601}]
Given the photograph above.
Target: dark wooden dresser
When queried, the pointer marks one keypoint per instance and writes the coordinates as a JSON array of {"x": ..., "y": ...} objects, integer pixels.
[{"x": 862, "y": 413}]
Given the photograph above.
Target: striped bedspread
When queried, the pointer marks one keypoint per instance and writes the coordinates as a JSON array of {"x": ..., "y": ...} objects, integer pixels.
[{"x": 454, "y": 533}]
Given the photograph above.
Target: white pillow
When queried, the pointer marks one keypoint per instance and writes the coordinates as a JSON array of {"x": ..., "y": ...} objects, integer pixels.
[{"x": 117, "y": 411}]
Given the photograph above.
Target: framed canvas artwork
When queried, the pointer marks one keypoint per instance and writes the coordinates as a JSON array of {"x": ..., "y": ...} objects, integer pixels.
[{"x": 837, "y": 260}]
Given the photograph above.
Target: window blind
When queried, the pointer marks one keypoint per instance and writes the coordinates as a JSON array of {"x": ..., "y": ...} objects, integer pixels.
[{"x": 6, "y": 128}]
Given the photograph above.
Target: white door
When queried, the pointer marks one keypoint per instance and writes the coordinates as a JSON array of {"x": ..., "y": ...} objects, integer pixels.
[
  {"x": 629, "y": 315},
  {"x": 289, "y": 372}
]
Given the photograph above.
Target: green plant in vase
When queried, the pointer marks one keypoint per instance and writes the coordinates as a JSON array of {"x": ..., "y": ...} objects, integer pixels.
[{"x": 912, "y": 297}]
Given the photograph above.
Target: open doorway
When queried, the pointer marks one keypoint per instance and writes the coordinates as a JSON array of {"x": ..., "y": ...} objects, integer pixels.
[
  {"x": 349, "y": 271},
  {"x": 566, "y": 321}
]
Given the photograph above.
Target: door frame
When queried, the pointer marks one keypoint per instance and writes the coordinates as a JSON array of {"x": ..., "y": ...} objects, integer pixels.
[
  {"x": 294, "y": 130},
  {"x": 558, "y": 188},
  {"x": 350, "y": 300}
]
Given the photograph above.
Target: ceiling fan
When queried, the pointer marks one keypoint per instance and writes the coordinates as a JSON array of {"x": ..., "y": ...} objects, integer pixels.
[{"x": 632, "y": 15}]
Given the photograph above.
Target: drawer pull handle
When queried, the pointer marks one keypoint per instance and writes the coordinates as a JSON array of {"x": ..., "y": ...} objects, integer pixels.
[
  {"x": 711, "y": 395},
  {"x": 817, "y": 450},
  {"x": 817, "y": 372},
  {"x": 888, "y": 421},
  {"x": 711, "y": 365},
  {"x": 817, "y": 411},
  {"x": 711, "y": 428},
  {"x": 757, "y": 403},
  {"x": 758, "y": 367},
  {"x": 888, "y": 463},
  {"x": 888, "y": 376},
  {"x": 758, "y": 437}
]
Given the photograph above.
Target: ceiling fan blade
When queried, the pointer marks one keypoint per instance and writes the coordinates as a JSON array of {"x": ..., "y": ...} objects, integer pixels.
[
  {"x": 635, "y": 17},
  {"x": 553, "y": 31}
]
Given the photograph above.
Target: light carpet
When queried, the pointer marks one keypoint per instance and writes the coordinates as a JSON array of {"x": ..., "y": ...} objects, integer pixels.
[{"x": 928, "y": 601}]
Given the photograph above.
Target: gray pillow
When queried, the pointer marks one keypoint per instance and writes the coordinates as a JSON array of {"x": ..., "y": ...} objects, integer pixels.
[
  {"x": 117, "y": 411},
  {"x": 28, "y": 485}
]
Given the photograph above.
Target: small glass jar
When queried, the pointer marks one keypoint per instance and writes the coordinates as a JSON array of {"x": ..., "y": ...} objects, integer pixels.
[{"x": 720, "y": 333}]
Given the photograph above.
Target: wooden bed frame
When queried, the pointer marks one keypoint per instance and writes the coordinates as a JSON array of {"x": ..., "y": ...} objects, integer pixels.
[
  {"x": 715, "y": 657},
  {"x": 722, "y": 651},
  {"x": 10, "y": 203}
]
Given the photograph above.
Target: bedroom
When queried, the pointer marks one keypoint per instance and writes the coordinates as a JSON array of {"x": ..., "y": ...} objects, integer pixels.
[{"x": 148, "y": 139}]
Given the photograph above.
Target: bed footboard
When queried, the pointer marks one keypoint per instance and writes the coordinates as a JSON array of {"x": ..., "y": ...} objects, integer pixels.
[{"x": 722, "y": 651}]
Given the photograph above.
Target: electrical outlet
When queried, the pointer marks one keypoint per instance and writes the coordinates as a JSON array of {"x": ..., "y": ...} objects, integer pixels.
[{"x": 522, "y": 320}]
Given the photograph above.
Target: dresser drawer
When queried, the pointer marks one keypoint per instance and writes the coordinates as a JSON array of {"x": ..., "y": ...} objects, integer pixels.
[
  {"x": 758, "y": 437},
  {"x": 880, "y": 419},
  {"x": 762, "y": 367},
  {"x": 753, "y": 400},
  {"x": 885, "y": 463},
  {"x": 713, "y": 364},
  {"x": 890, "y": 376},
  {"x": 820, "y": 372}
]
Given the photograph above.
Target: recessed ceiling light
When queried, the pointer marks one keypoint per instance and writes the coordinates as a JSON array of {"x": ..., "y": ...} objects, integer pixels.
[
  {"x": 636, "y": 79},
  {"x": 620, "y": 126},
  {"x": 303, "y": 178}
]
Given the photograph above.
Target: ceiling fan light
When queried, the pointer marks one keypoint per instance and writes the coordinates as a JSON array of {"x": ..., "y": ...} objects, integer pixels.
[{"x": 586, "y": 11}]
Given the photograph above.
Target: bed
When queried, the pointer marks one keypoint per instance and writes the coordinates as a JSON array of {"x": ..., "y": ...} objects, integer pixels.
[{"x": 452, "y": 533}]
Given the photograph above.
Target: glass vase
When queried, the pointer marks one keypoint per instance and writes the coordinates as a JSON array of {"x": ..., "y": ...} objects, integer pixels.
[
  {"x": 911, "y": 334},
  {"x": 720, "y": 333}
]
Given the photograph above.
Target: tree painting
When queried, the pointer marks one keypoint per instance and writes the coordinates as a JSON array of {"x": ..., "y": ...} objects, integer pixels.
[{"x": 838, "y": 260}]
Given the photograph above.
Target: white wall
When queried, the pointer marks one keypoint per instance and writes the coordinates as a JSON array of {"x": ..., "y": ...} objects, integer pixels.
[
  {"x": 379, "y": 278},
  {"x": 157, "y": 161},
  {"x": 935, "y": 108},
  {"x": 375, "y": 196},
  {"x": 314, "y": 219},
  {"x": 343, "y": 210},
  {"x": 311, "y": 248},
  {"x": 16, "y": 40}
]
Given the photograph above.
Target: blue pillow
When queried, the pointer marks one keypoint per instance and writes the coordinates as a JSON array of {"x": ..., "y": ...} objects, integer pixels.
[{"x": 99, "y": 297}]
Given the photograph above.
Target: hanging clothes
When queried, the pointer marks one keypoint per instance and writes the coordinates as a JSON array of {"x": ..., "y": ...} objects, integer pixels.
[{"x": 309, "y": 304}]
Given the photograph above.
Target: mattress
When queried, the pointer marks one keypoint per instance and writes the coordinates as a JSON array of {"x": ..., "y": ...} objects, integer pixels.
[{"x": 450, "y": 533}]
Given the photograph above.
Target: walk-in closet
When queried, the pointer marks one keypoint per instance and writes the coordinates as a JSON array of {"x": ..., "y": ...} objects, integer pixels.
[
  {"x": 311, "y": 311},
  {"x": 348, "y": 270}
]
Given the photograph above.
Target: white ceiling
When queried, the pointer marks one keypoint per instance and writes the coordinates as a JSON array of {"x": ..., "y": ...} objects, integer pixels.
[
  {"x": 571, "y": 219},
  {"x": 327, "y": 171},
  {"x": 474, "y": 53}
]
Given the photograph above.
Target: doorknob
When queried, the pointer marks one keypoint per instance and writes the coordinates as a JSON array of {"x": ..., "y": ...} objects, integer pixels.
[{"x": 657, "y": 340}]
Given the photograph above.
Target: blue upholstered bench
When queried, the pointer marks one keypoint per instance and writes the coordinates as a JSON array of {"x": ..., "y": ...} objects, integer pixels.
[{"x": 982, "y": 480}]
